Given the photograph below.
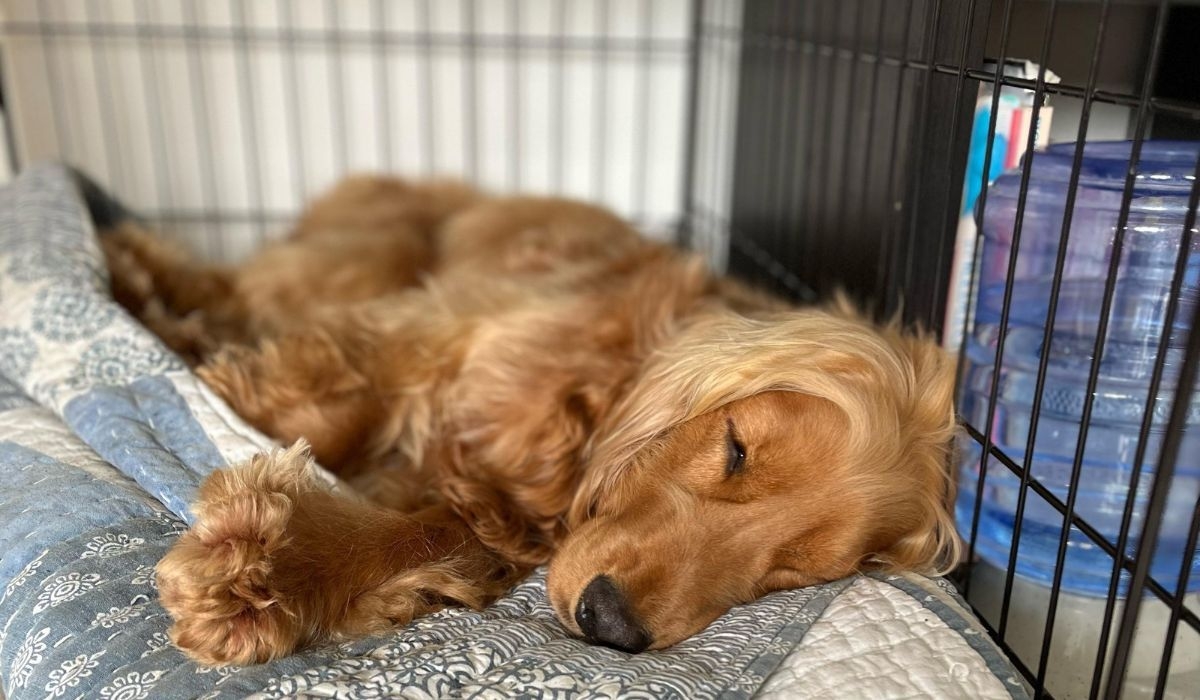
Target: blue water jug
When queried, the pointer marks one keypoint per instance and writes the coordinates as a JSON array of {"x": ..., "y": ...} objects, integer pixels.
[{"x": 1151, "y": 246}]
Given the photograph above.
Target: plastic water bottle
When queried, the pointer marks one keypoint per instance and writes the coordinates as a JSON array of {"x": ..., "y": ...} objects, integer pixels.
[{"x": 1148, "y": 258}]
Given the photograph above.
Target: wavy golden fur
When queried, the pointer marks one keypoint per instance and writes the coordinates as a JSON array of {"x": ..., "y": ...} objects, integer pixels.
[{"x": 504, "y": 383}]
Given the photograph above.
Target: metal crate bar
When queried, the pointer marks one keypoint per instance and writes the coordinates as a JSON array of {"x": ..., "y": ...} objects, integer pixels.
[
  {"x": 148, "y": 69},
  {"x": 1052, "y": 310},
  {"x": 795, "y": 248},
  {"x": 1012, "y": 655},
  {"x": 1064, "y": 89},
  {"x": 777, "y": 117},
  {"x": 818, "y": 194},
  {"x": 847, "y": 145},
  {"x": 291, "y": 81},
  {"x": 1018, "y": 521},
  {"x": 643, "y": 101},
  {"x": 425, "y": 72},
  {"x": 345, "y": 37},
  {"x": 918, "y": 156},
  {"x": 112, "y": 152},
  {"x": 886, "y": 246},
  {"x": 1163, "y": 474},
  {"x": 1126, "y": 562},
  {"x": 198, "y": 99},
  {"x": 383, "y": 79},
  {"x": 337, "y": 78},
  {"x": 685, "y": 234},
  {"x": 945, "y": 241},
  {"x": 603, "y": 19},
  {"x": 1147, "y": 420},
  {"x": 470, "y": 134},
  {"x": 781, "y": 184},
  {"x": 247, "y": 100},
  {"x": 1177, "y": 602},
  {"x": 1005, "y": 306},
  {"x": 515, "y": 96},
  {"x": 54, "y": 79},
  {"x": 872, "y": 103},
  {"x": 1119, "y": 659}
]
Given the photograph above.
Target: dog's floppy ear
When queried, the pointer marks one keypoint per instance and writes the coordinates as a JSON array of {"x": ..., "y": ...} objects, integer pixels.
[
  {"x": 922, "y": 386},
  {"x": 928, "y": 435}
]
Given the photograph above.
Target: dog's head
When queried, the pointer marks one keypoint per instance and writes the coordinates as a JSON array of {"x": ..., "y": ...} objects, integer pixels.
[{"x": 756, "y": 455}]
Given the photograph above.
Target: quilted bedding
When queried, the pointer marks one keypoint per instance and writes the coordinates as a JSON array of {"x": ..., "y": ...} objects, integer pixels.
[{"x": 105, "y": 435}]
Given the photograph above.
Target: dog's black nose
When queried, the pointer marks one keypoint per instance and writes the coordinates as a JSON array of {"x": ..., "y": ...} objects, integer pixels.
[{"x": 604, "y": 616}]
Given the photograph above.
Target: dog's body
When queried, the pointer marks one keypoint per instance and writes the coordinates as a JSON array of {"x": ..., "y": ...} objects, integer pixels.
[{"x": 514, "y": 381}]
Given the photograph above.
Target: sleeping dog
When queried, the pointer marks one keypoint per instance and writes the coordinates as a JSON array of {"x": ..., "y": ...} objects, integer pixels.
[{"x": 501, "y": 383}]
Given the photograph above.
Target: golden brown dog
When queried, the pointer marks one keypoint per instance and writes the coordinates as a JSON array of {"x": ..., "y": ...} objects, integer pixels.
[{"x": 510, "y": 382}]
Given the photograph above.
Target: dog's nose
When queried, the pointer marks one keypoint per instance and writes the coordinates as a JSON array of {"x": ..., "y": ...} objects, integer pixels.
[{"x": 604, "y": 616}]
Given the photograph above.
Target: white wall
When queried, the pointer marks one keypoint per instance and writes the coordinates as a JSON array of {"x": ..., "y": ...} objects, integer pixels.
[
  {"x": 716, "y": 129},
  {"x": 218, "y": 118}
]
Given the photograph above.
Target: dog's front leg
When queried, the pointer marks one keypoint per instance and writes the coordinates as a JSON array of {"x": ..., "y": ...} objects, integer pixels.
[
  {"x": 276, "y": 561},
  {"x": 303, "y": 384}
]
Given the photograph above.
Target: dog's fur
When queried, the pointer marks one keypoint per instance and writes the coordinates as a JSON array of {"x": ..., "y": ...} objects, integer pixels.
[{"x": 510, "y": 382}]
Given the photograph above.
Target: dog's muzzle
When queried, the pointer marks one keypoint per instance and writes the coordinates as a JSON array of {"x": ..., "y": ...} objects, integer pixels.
[{"x": 604, "y": 616}]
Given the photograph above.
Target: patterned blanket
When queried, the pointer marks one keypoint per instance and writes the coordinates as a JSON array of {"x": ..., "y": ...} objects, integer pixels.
[{"x": 105, "y": 435}]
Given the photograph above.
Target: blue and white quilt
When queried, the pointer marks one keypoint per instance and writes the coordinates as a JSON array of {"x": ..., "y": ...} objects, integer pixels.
[{"x": 105, "y": 435}]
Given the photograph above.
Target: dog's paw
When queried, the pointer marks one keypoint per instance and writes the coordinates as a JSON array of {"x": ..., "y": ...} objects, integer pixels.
[{"x": 220, "y": 582}]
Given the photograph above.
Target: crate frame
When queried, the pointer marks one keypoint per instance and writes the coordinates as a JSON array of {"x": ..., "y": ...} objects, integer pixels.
[{"x": 746, "y": 200}]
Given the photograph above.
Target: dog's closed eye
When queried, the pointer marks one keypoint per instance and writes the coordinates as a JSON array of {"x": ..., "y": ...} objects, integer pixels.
[{"x": 735, "y": 451}]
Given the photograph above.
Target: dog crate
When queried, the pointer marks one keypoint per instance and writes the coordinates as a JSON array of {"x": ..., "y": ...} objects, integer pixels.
[{"x": 808, "y": 146}]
